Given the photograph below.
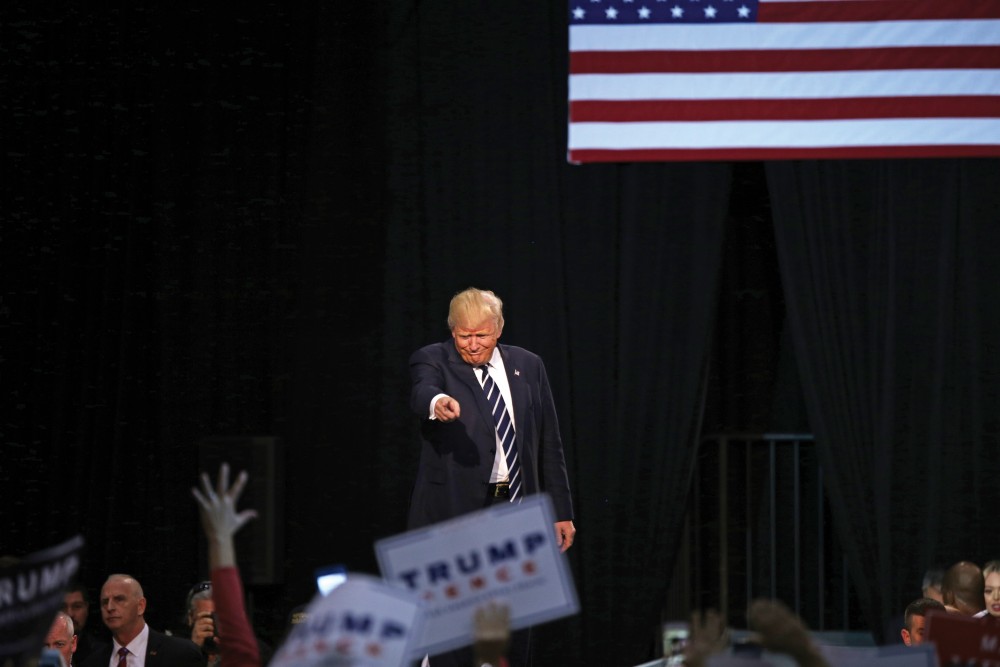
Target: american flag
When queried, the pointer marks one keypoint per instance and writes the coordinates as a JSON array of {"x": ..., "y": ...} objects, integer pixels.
[{"x": 665, "y": 80}]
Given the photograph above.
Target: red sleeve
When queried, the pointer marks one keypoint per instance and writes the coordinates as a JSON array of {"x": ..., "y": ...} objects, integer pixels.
[{"x": 237, "y": 644}]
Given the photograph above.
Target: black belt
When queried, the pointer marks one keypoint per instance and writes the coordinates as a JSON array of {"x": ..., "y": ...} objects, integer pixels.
[{"x": 498, "y": 490}]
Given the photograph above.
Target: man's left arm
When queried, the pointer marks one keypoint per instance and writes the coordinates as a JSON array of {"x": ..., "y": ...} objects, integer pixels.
[{"x": 555, "y": 481}]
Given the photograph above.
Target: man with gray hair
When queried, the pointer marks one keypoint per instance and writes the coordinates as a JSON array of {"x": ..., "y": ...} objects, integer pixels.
[
  {"x": 200, "y": 618},
  {"x": 62, "y": 637},
  {"x": 931, "y": 587}
]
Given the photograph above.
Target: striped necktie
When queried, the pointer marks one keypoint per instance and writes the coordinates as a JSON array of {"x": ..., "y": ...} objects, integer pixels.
[
  {"x": 122, "y": 656},
  {"x": 505, "y": 430}
]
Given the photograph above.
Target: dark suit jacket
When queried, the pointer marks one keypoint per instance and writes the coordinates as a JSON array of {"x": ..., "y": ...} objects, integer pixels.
[
  {"x": 161, "y": 651},
  {"x": 87, "y": 643},
  {"x": 456, "y": 458}
]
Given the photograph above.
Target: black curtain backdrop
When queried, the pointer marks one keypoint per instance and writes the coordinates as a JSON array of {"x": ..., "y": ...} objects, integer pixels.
[
  {"x": 192, "y": 229},
  {"x": 891, "y": 281},
  {"x": 610, "y": 273},
  {"x": 219, "y": 222}
]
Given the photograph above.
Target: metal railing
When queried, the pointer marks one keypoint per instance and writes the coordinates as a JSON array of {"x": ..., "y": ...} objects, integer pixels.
[{"x": 758, "y": 525}]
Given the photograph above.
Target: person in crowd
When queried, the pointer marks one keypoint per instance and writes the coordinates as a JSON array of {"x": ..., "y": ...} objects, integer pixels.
[
  {"x": 76, "y": 603},
  {"x": 135, "y": 644},
  {"x": 931, "y": 587},
  {"x": 220, "y": 520},
  {"x": 991, "y": 588},
  {"x": 707, "y": 635},
  {"x": 200, "y": 619},
  {"x": 298, "y": 614},
  {"x": 491, "y": 635},
  {"x": 915, "y": 620},
  {"x": 962, "y": 589},
  {"x": 776, "y": 629},
  {"x": 489, "y": 433},
  {"x": 62, "y": 637},
  {"x": 779, "y": 630}
]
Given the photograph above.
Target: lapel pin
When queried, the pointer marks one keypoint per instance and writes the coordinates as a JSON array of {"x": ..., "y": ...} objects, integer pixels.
[{"x": 517, "y": 372}]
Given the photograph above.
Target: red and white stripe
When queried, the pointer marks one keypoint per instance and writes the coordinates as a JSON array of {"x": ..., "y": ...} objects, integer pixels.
[{"x": 812, "y": 79}]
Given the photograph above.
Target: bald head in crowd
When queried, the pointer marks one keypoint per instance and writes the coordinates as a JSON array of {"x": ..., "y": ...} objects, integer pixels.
[
  {"x": 962, "y": 589},
  {"x": 62, "y": 637},
  {"x": 122, "y": 607}
]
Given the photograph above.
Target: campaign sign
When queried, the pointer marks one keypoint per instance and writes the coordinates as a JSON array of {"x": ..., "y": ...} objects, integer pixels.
[
  {"x": 31, "y": 592},
  {"x": 963, "y": 640},
  {"x": 363, "y": 621},
  {"x": 506, "y": 552}
]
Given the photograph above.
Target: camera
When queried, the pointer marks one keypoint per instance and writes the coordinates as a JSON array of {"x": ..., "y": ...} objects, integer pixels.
[{"x": 210, "y": 645}]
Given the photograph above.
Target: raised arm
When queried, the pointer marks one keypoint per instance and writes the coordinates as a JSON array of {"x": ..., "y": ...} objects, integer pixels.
[{"x": 220, "y": 521}]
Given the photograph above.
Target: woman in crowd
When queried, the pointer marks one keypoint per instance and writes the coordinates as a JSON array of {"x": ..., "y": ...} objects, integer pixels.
[{"x": 991, "y": 592}]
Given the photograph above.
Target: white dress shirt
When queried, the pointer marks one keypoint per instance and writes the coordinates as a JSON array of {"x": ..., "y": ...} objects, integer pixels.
[
  {"x": 136, "y": 649},
  {"x": 499, "y": 374}
]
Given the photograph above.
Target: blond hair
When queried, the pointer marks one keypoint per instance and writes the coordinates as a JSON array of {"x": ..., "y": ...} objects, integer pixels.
[{"x": 471, "y": 306}]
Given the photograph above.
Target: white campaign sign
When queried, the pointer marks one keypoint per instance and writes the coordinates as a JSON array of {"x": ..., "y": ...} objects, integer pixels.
[
  {"x": 364, "y": 621},
  {"x": 505, "y": 553}
]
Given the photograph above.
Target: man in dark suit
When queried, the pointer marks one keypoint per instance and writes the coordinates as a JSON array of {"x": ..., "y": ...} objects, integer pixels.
[
  {"x": 464, "y": 460},
  {"x": 135, "y": 644}
]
